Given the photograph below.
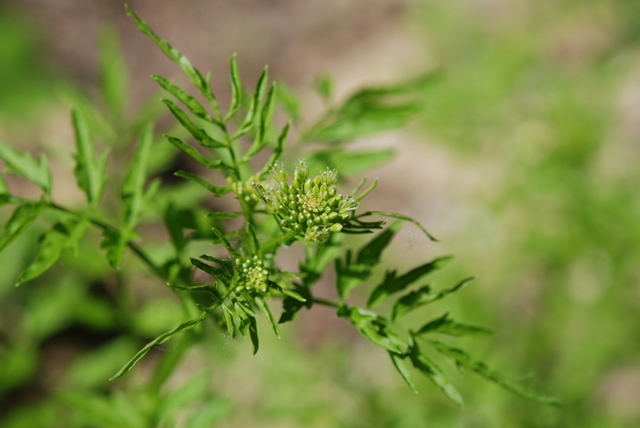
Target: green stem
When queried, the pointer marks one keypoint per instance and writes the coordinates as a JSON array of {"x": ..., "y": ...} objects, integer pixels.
[{"x": 325, "y": 302}]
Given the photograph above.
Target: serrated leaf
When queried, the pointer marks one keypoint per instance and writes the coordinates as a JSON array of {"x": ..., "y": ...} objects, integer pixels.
[
  {"x": 113, "y": 73},
  {"x": 194, "y": 154},
  {"x": 132, "y": 190},
  {"x": 194, "y": 75},
  {"x": 423, "y": 296},
  {"x": 199, "y": 134},
  {"x": 228, "y": 319},
  {"x": 351, "y": 163},
  {"x": 435, "y": 374},
  {"x": 254, "y": 106},
  {"x": 214, "y": 271},
  {"x": 392, "y": 284},
  {"x": 374, "y": 327},
  {"x": 89, "y": 171},
  {"x": 159, "y": 341},
  {"x": 115, "y": 243},
  {"x": 288, "y": 101},
  {"x": 62, "y": 236},
  {"x": 21, "y": 218},
  {"x": 236, "y": 88},
  {"x": 463, "y": 359},
  {"x": 352, "y": 273},
  {"x": 192, "y": 103},
  {"x": 216, "y": 190},
  {"x": 26, "y": 166},
  {"x": 267, "y": 312},
  {"x": 445, "y": 325},
  {"x": 234, "y": 253},
  {"x": 402, "y": 368}
]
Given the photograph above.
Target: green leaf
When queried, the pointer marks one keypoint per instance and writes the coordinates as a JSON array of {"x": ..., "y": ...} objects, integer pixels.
[
  {"x": 266, "y": 114},
  {"x": 214, "y": 271},
  {"x": 351, "y": 273},
  {"x": 374, "y": 327},
  {"x": 113, "y": 73},
  {"x": 392, "y": 284},
  {"x": 4, "y": 189},
  {"x": 216, "y": 190},
  {"x": 324, "y": 86},
  {"x": 62, "y": 236},
  {"x": 402, "y": 368},
  {"x": 370, "y": 111},
  {"x": 228, "y": 319},
  {"x": 253, "y": 334},
  {"x": 90, "y": 172},
  {"x": 423, "y": 296},
  {"x": 434, "y": 373},
  {"x": 132, "y": 190},
  {"x": 194, "y": 154},
  {"x": 291, "y": 305},
  {"x": 236, "y": 88},
  {"x": 194, "y": 75},
  {"x": 234, "y": 253},
  {"x": 399, "y": 217},
  {"x": 270, "y": 318},
  {"x": 351, "y": 163},
  {"x": 21, "y": 218},
  {"x": 277, "y": 151},
  {"x": 26, "y": 166},
  {"x": 254, "y": 106},
  {"x": 462, "y": 359},
  {"x": 288, "y": 101},
  {"x": 159, "y": 341},
  {"x": 192, "y": 103},
  {"x": 115, "y": 243},
  {"x": 198, "y": 133},
  {"x": 444, "y": 325}
]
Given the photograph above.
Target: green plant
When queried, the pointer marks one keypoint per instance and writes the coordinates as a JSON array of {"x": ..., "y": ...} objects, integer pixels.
[{"x": 242, "y": 274}]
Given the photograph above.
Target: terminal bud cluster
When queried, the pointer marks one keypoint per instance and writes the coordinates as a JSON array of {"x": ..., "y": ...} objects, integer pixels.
[
  {"x": 251, "y": 274},
  {"x": 310, "y": 206}
]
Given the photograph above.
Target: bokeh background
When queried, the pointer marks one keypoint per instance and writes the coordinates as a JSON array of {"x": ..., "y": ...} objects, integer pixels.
[{"x": 524, "y": 161}]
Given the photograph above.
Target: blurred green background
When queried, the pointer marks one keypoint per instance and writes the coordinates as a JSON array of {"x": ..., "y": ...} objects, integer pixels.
[{"x": 523, "y": 161}]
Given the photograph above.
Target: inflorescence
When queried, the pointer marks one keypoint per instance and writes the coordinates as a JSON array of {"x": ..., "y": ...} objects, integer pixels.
[{"x": 310, "y": 206}]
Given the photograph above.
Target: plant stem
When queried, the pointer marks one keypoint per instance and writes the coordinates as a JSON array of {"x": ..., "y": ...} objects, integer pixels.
[{"x": 325, "y": 302}]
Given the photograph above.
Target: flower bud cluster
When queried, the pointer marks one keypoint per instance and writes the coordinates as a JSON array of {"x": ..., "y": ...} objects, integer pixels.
[
  {"x": 251, "y": 274},
  {"x": 310, "y": 206},
  {"x": 243, "y": 190}
]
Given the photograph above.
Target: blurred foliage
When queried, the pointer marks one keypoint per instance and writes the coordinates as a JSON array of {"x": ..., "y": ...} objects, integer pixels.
[{"x": 554, "y": 236}]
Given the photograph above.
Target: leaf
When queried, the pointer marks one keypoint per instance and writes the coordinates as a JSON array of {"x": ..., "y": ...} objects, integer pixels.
[
  {"x": 194, "y": 75},
  {"x": 198, "y": 133},
  {"x": 277, "y": 151},
  {"x": 193, "y": 153},
  {"x": 115, "y": 243},
  {"x": 373, "y": 327},
  {"x": 21, "y": 218},
  {"x": 253, "y": 334},
  {"x": 266, "y": 114},
  {"x": 400, "y": 217},
  {"x": 132, "y": 190},
  {"x": 370, "y": 111},
  {"x": 270, "y": 318},
  {"x": 26, "y": 166},
  {"x": 236, "y": 88},
  {"x": 423, "y": 296},
  {"x": 258, "y": 95},
  {"x": 324, "y": 86},
  {"x": 159, "y": 341},
  {"x": 4, "y": 189},
  {"x": 351, "y": 163},
  {"x": 228, "y": 319},
  {"x": 434, "y": 373},
  {"x": 89, "y": 171},
  {"x": 314, "y": 264},
  {"x": 462, "y": 359},
  {"x": 113, "y": 73},
  {"x": 234, "y": 253},
  {"x": 192, "y": 103},
  {"x": 288, "y": 101},
  {"x": 350, "y": 274},
  {"x": 216, "y": 190},
  {"x": 392, "y": 284},
  {"x": 62, "y": 236},
  {"x": 402, "y": 368},
  {"x": 214, "y": 271},
  {"x": 445, "y": 325}
]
